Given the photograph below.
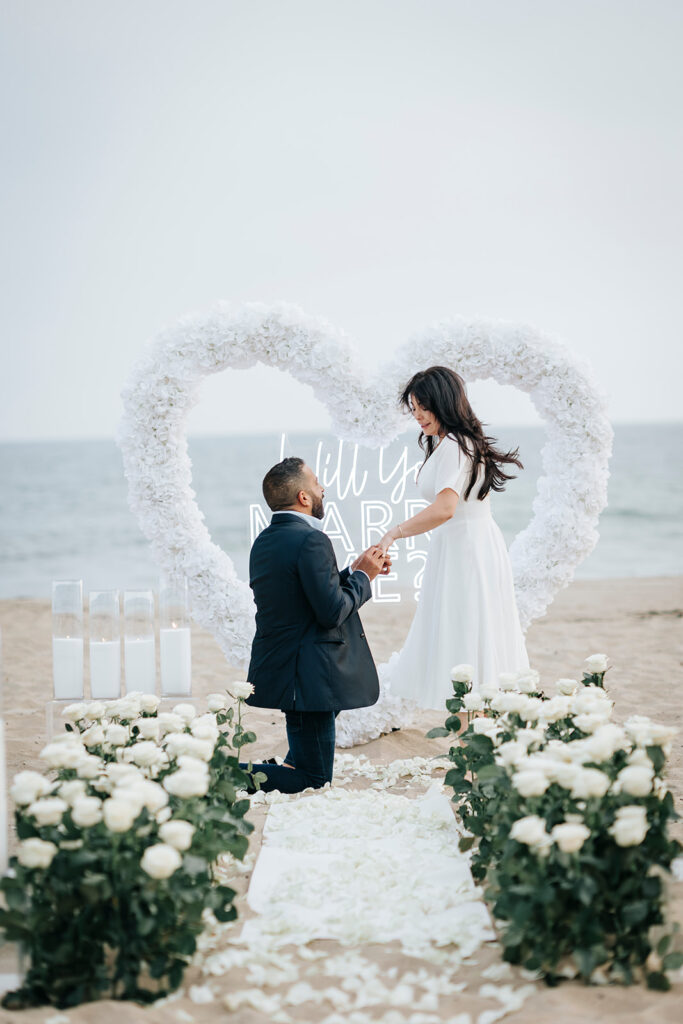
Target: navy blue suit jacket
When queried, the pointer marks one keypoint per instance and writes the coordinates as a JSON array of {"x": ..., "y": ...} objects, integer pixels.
[{"x": 309, "y": 652}]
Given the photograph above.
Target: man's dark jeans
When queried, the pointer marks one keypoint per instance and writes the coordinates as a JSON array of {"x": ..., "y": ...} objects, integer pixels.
[{"x": 311, "y": 753}]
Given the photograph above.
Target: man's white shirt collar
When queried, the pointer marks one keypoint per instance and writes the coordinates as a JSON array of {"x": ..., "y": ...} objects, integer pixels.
[{"x": 311, "y": 520}]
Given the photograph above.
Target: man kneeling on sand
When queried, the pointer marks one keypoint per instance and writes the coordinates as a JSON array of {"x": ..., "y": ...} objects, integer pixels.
[{"x": 310, "y": 657}]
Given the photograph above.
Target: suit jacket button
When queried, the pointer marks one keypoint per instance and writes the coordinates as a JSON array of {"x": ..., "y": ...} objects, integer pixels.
[{"x": 362, "y": 634}]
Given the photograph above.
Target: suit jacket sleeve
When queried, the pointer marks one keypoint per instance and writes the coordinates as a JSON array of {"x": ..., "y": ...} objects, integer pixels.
[{"x": 332, "y": 596}]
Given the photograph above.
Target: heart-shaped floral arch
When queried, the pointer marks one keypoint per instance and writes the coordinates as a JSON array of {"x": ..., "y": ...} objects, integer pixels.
[{"x": 163, "y": 388}]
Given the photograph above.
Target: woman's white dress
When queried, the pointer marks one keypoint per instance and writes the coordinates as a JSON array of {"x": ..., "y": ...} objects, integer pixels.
[{"x": 466, "y": 611}]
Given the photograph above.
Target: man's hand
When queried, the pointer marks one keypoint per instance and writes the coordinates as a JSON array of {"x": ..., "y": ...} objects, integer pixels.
[{"x": 373, "y": 562}]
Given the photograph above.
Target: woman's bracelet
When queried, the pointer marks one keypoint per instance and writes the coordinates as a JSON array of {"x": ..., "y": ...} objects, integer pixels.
[{"x": 400, "y": 530}]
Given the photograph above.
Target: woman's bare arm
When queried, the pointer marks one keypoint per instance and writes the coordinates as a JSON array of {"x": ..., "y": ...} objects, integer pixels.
[{"x": 439, "y": 512}]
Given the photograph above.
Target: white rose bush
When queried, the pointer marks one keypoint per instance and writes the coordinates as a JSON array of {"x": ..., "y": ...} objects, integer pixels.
[
  {"x": 118, "y": 847},
  {"x": 568, "y": 819}
]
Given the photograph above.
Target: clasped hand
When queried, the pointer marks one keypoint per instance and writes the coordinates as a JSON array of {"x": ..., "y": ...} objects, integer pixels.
[{"x": 374, "y": 562}]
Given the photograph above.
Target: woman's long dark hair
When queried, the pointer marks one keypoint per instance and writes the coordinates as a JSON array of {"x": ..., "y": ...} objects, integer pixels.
[{"x": 442, "y": 392}]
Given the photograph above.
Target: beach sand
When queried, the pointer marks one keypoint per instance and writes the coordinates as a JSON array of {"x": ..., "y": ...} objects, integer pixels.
[{"x": 637, "y": 623}]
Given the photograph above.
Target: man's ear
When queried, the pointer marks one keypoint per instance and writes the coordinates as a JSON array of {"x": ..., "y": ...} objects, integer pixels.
[{"x": 303, "y": 498}]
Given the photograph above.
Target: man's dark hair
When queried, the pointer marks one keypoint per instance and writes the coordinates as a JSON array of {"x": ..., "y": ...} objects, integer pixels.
[{"x": 282, "y": 483}]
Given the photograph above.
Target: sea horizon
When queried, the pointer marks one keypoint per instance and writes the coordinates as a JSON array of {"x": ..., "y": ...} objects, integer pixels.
[{"x": 64, "y": 510}]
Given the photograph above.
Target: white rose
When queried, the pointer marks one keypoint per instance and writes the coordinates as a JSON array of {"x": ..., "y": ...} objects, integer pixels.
[
  {"x": 485, "y": 727},
  {"x": 567, "y": 687},
  {"x": 48, "y": 811},
  {"x": 596, "y": 663},
  {"x": 72, "y": 790},
  {"x": 88, "y": 767},
  {"x": 94, "y": 711},
  {"x": 461, "y": 673},
  {"x": 508, "y": 701},
  {"x": 160, "y": 860},
  {"x": 530, "y": 831},
  {"x": 528, "y": 682},
  {"x": 178, "y": 834},
  {"x": 148, "y": 728},
  {"x": 149, "y": 702},
  {"x": 507, "y": 680},
  {"x": 126, "y": 708},
  {"x": 570, "y": 836},
  {"x": 473, "y": 702},
  {"x": 530, "y": 710},
  {"x": 636, "y": 780},
  {"x": 87, "y": 811},
  {"x": 62, "y": 755},
  {"x": 605, "y": 742},
  {"x": 193, "y": 764},
  {"x": 28, "y": 786},
  {"x": 35, "y": 853},
  {"x": 565, "y": 774},
  {"x": 163, "y": 815},
  {"x": 185, "y": 711},
  {"x": 74, "y": 712},
  {"x": 488, "y": 690},
  {"x": 630, "y": 826},
  {"x": 205, "y": 727},
  {"x": 117, "y": 735},
  {"x": 646, "y": 733},
  {"x": 93, "y": 737},
  {"x": 216, "y": 702},
  {"x": 590, "y": 723},
  {"x": 119, "y": 813},
  {"x": 510, "y": 752},
  {"x": 181, "y": 743},
  {"x": 144, "y": 792},
  {"x": 530, "y": 782},
  {"x": 240, "y": 691},
  {"x": 145, "y": 754},
  {"x": 168, "y": 722},
  {"x": 118, "y": 772},
  {"x": 186, "y": 784},
  {"x": 589, "y": 782},
  {"x": 591, "y": 700},
  {"x": 554, "y": 709}
]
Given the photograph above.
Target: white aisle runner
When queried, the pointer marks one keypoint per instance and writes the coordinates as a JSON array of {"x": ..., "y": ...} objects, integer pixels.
[{"x": 366, "y": 866}]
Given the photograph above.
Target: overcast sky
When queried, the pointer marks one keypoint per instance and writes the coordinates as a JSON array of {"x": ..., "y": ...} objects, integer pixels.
[{"x": 382, "y": 163}]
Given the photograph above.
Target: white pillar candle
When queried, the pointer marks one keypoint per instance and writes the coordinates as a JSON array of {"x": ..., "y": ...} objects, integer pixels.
[
  {"x": 105, "y": 668},
  {"x": 140, "y": 664},
  {"x": 176, "y": 661},
  {"x": 67, "y": 667}
]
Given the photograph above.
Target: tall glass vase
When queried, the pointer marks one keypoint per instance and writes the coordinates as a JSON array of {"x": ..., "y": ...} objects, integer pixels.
[
  {"x": 105, "y": 644},
  {"x": 67, "y": 639},
  {"x": 175, "y": 647},
  {"x": 138, "y": 647}
]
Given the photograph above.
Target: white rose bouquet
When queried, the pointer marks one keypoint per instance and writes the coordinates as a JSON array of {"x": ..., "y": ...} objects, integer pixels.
[
  {"x": 568, "y": 815},
  {"x": 117, "y": 849}
]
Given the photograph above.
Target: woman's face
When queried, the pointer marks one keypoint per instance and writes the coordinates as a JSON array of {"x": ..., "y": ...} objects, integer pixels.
[{"x": 427, "y": 420}]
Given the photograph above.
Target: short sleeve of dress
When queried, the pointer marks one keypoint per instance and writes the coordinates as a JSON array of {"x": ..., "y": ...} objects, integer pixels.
[{"x": 453, "y": 467}]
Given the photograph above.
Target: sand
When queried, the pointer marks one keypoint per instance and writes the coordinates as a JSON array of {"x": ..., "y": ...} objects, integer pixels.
[{"x": 638, "y": 623}]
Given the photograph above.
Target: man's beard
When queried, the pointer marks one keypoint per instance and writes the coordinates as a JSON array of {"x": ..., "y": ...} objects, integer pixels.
[{"x": 317, "y": 510}]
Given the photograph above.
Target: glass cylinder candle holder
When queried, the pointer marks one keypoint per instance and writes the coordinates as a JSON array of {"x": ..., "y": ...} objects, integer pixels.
[
  {"x": 175, "y": 647},
  {"x": 67, "y": 639},
  {"x": 138, "y": 646},
  {"x": 105, "y": 644}
]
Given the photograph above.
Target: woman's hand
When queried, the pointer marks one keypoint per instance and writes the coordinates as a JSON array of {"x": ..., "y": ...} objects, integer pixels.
[{"x": 389, "y": 538}]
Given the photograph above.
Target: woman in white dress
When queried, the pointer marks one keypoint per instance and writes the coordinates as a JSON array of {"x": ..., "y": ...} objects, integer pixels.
[{"x": 467, "y": 611}]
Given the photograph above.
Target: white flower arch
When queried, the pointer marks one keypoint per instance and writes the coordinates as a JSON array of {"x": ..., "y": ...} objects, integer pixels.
[{"x": 163, "y": 388}]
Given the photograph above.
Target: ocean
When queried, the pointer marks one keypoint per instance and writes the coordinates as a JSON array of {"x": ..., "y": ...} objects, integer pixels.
[{"x": 64, "y": 511}]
